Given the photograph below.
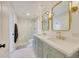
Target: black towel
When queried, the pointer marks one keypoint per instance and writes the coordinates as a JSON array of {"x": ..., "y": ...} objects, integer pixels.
[{"x": 15, "y": 33}]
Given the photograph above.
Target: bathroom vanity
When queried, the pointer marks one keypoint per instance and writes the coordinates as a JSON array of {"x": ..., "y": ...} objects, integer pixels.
[
  {"x": 57, "y": 46},
  {"x": 50, "y": 47}
]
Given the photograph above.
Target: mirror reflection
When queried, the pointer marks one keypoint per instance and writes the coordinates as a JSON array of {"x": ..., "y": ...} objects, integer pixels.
[
  {"x": 61, "y": 14},
  {"x": 45, "y": 22}
]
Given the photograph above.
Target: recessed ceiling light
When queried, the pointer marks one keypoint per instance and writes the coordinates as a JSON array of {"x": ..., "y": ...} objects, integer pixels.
[{"x": 27, "y": 14}]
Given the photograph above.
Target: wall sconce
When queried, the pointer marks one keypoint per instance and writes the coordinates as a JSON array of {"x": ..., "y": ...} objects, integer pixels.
[
  {"x": 50, "y": 15},
  {"x": 74, "y": 6},
  {"x": 47, "y": 12}
]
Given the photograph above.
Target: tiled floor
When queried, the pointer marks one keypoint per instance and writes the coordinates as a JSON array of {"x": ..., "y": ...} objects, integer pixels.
[{"x": 24, "y": 53}]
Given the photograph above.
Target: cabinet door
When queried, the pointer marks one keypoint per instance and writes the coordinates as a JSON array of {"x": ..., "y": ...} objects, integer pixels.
[
  {"x": 53, "y": 53},
  {"x": 40, "y": 48},
  {"x": 50, "y": 53},
  {"x": 35, "y": 46},
  {"x": 45, "y": 50}
]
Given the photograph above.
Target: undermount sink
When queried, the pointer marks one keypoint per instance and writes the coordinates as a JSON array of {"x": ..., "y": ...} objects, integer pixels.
[
  {"x": 70, "y": 40},
  {"x": 61, "y": 41},
  {"x": 40, "y": 34},
  {"x": 56, "y": 37},
  {"x": 53, "y": 37}
]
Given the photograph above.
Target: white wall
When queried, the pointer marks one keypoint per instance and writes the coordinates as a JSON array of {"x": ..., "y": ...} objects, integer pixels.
[
  {"x": 4, "y": 30},
  {"x": 75, "y": 23},
  {"x": 74, "y": 29},
  {"x": 5, "y": 13}
]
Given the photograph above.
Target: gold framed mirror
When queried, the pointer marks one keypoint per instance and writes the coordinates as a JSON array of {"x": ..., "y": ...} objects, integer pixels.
[
  {"x": 45, "y": 21},
  {"x": 61, "y": 16}
]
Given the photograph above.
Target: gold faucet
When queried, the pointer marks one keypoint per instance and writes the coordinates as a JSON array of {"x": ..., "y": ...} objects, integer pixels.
[{"x": 59, "y": 36}]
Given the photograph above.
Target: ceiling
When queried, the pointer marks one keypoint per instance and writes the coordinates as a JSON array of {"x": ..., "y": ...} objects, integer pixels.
[{"x": 30, "y": 9}]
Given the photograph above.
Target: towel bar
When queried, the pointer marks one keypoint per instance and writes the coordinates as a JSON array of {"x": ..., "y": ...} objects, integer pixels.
[{"x": 2, "y": 45}]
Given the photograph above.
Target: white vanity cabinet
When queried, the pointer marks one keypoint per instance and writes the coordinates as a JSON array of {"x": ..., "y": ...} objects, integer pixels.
[
  {"x": 46, "y": 50},
  {"x": 43, "y": 50}
]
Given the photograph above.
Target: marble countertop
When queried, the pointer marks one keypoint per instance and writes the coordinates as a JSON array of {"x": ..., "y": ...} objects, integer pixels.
[{"x": 67, "y": 47}]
